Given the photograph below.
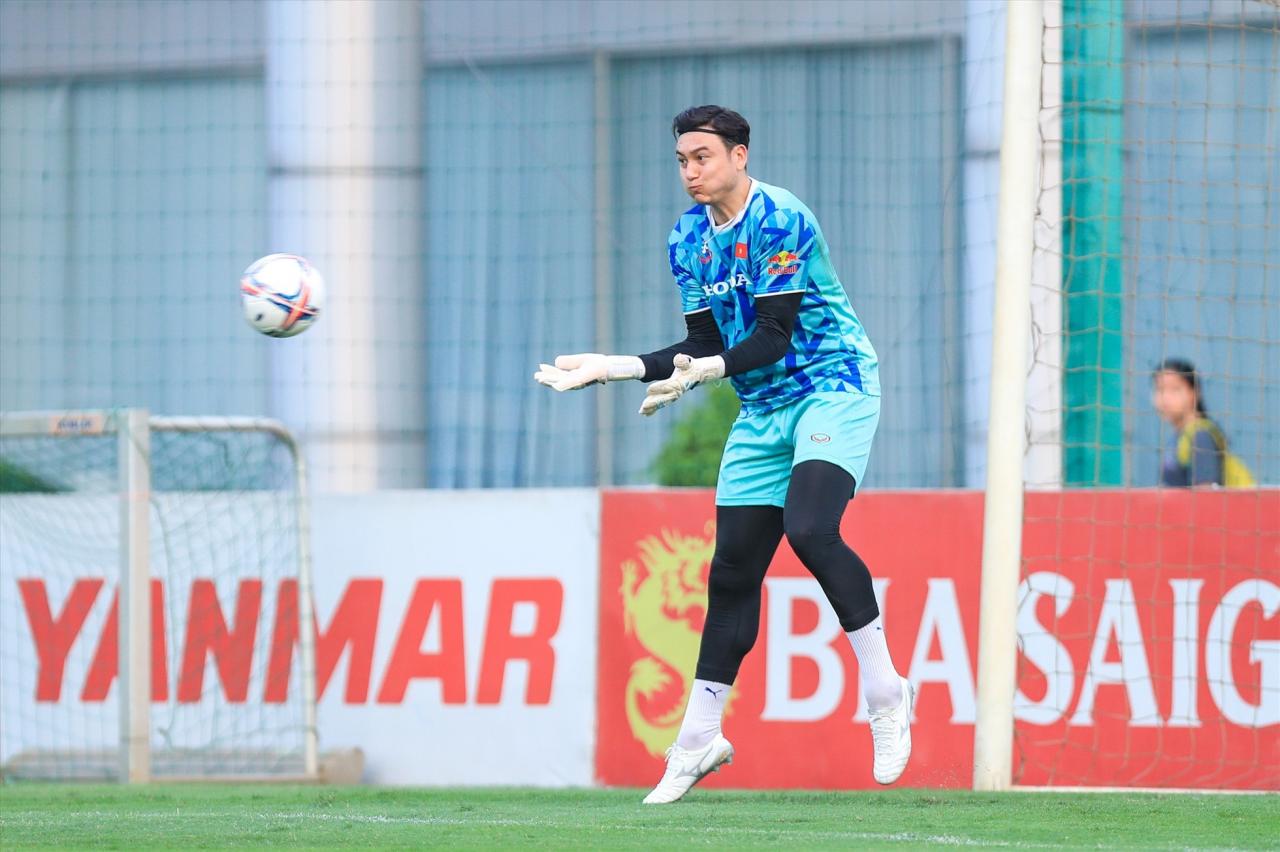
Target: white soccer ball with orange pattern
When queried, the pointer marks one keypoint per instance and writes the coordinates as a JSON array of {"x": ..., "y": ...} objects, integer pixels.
[{"x": 282, "y": 294}]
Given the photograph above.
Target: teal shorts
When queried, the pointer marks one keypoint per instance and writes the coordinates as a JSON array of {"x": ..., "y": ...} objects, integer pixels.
[{"x": 835, "y": 427}]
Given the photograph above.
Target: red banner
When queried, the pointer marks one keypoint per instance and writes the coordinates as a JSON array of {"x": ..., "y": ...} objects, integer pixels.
[{"x": 1149, "y": 625}]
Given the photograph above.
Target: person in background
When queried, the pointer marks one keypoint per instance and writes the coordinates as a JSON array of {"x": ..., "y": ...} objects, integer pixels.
[{"x": 1198, "y": 453}]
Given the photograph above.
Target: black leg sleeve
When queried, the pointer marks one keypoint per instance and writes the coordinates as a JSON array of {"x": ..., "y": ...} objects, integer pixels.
[
  {"x": 746, "y": 538},
  {"x": 816, "y": 500}
]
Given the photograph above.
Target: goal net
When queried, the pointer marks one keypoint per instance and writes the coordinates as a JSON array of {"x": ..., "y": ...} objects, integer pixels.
[
  {"x": 1149, "y": 614},
  {"x": 150, "y": 571}
]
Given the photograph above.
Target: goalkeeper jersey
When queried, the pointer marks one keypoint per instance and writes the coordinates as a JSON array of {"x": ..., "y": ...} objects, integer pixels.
[{"x": 773, "y": 246}]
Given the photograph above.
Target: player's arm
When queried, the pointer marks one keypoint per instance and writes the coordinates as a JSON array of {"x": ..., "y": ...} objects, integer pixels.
[
  {"x": 768, "y": 342},
  {"x": 573, "y": 372},
  {"x": 770, "y": 339},
  {"x": 702, "y": 340}
]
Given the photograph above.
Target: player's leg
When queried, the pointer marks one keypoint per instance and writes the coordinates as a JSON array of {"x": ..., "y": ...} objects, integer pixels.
[
  {"x": 746, "y": 539},
  {"x": 822, "y": 483},
  {"x": 750, "y": 491},
  {"x": 816, "y": 503},
  {"x": 749, "y": 498}
]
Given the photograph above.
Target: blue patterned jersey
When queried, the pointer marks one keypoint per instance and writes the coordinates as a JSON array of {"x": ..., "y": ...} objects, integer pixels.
[{"x": 774, "y": 246}]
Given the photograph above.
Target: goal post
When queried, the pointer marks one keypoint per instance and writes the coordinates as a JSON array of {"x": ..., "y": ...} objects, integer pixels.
[
  {"x": 1128, "y": 625},
  {"x": 200, "y": 505},
  {"x": 134, "y": 440},
  {"x": 1002, "y": 519}
]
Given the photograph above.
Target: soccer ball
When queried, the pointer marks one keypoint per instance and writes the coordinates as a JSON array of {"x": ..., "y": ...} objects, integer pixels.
[{"x": 282, "y": 294}]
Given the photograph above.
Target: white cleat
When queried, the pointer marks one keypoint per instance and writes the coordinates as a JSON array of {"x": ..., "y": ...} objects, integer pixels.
[
  {"x": 687, "y": 767},
  {"x": 891, "y": 734}
]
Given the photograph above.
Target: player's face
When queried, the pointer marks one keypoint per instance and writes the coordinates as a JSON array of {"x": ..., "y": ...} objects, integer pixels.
[
  {"x": 1173, "y": 397},
  {"x": 709, "y": 170}
]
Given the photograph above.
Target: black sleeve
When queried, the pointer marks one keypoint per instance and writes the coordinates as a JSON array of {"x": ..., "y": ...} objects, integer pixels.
[
  {"x": 703, "y": 340},
  {"x": 775, "y": 321}
]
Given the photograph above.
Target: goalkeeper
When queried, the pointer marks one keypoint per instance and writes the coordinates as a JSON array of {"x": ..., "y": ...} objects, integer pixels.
[{"x": 764, "y": 308}]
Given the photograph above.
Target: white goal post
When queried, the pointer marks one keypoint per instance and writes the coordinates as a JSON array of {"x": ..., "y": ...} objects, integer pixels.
[
  {"x": 208, "y": 487},
  {"x": 1006, "y": 438}
]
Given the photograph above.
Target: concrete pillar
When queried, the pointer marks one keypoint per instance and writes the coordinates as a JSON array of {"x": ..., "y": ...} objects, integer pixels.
[
  {"x": 344, "y": 123},
  {"x": 983, "y": 88}
]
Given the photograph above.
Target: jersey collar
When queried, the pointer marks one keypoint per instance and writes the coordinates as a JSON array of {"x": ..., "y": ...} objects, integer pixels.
[{"x": 716, "y": 230}]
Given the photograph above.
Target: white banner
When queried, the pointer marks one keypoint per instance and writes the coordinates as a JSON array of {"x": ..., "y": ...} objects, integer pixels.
[
  {"x": 456, "y": 631},
  {"x": 483, "y": 668}
]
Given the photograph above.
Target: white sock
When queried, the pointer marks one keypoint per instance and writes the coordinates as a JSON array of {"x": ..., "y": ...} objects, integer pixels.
[
  {"x": 702, "y": 714},
  {"x": 880, "y": 683}
]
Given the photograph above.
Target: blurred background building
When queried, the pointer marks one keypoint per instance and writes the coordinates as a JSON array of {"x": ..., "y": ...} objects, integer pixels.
[{"x": 486, "y": 184}]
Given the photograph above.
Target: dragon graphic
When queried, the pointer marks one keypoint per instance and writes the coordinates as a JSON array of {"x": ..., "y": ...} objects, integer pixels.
[{"x": 664, "y": 602}]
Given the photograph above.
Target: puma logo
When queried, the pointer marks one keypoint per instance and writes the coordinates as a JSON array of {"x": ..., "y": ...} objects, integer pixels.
[{"x": 715, "y": 693}]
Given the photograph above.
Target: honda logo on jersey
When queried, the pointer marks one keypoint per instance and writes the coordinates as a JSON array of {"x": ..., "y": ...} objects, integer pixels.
[{"x": 720, "y": 288}]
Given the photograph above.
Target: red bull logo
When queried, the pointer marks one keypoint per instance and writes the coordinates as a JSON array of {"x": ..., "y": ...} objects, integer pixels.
[{"x": 783, "y": 263}]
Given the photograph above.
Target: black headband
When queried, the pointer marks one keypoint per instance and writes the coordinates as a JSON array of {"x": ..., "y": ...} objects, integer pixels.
[{"x": 725, "y": 136}]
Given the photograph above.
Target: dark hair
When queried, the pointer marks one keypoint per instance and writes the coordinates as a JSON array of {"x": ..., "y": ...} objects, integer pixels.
[
  {"x": 1187, "y": 372},
  {"x": 725, "y": 123}
]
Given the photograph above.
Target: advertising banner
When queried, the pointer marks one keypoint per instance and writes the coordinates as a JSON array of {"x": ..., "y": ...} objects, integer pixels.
[
  {"x": 455, "y": 637},
  {"x": 471, "y": 632},
  {"x": 549, "y": 638},
  {"x": 1149, "y": 629},
  {"x": 1149, "y": 626}
]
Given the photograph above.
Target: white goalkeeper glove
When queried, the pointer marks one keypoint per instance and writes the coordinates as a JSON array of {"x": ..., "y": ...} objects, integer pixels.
[
  {"x": 574, "y": 372},
  {"x": 690, "y": 372}
]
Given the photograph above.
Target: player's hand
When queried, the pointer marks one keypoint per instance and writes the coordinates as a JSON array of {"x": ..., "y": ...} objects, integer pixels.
[
  {"x": 574, "y": 372},
  {"x": 689, "y": 373}
]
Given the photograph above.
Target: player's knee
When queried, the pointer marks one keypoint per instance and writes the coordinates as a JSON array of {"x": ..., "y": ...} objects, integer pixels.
[
  {"x": 728, "y": 583},
  {"x": 810, "y": 537}
]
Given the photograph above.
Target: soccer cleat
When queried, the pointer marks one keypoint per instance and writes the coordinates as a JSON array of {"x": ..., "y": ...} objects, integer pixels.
[
  {"x": 891, "y": 734},
  {"x": 686, "y": 767}
]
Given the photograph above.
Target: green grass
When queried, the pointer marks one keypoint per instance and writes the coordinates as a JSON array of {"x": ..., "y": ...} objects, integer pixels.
[{"x": 257, "y": 816}]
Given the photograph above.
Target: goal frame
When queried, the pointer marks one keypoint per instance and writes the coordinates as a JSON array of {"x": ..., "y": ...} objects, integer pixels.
[
  {"x": 1006, "y": 433},
  {"x": 1026, "y": 433},
  {"x": 132, "y": 428}
]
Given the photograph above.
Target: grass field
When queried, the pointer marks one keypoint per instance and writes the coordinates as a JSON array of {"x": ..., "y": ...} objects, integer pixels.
[{"x": 258, "y": 816}]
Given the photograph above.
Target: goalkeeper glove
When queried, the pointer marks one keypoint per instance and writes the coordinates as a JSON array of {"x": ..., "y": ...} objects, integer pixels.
[
  {"x": 574, "y": 372},
  {"x": 690, "y": 372}
]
